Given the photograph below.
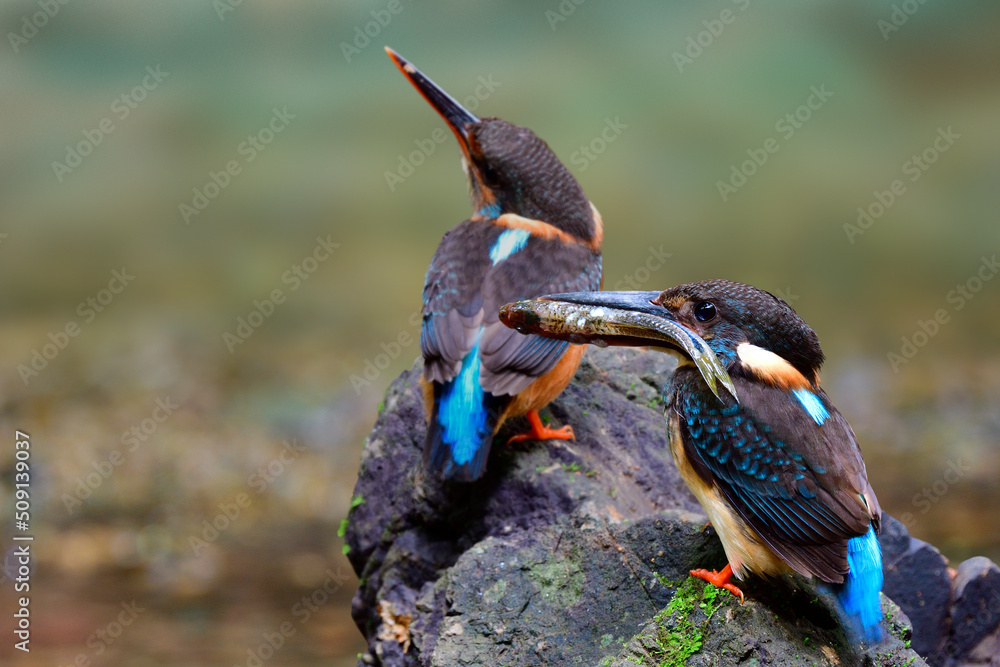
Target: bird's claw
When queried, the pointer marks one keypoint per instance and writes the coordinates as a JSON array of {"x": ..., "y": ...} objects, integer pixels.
[
  {"x": 719, "y": 580},
  {"x": 545, "y": 433}
]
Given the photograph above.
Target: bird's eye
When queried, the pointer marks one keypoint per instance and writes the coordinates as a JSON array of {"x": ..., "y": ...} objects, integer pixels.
[{"x": 704, "y": 311}]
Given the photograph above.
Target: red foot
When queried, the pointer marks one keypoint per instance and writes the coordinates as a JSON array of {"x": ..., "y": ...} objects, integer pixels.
[
  {"x": 539, "y": 431},
  {"x": 720, "y": 579}
]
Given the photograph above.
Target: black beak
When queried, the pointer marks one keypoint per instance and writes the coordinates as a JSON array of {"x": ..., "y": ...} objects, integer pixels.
[
  {"x": 616, "y": 318},
  {"x": 457, "y": 117}
]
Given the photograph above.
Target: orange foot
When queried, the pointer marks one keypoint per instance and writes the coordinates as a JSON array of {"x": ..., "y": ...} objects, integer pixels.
[
  {"x": 720, "y": 579},
  {"x": 539, "y": 431}
]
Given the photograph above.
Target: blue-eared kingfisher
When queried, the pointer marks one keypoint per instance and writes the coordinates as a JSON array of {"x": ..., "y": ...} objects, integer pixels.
[
  {"x": 532, "y": 232},
  {"x": 776, "y": 467}
]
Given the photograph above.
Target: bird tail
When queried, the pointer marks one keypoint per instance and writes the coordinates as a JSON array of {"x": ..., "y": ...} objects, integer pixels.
[
  {"x": 462, "y": 424},
  {"x": 859, "y": 594}
]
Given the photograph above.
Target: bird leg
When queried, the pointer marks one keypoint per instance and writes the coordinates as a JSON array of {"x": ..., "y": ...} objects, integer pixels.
[
  {"x": 540, "y": 431},
  {"x": 719, "y": 579}
]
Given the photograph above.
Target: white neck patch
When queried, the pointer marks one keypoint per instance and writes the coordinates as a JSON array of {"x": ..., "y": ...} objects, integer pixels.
[{"x": 770, "y": 367}]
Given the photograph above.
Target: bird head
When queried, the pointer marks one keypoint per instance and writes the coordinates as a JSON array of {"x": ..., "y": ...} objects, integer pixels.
[
  {"x": 755, "y": 333},
  {"x": 721, "y": 327},
  {"x": 510, "y": 170}
]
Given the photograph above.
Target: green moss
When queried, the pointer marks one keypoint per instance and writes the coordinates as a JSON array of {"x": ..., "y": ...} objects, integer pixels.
[
  {"x": 342, "y": 530},
  {"x": 559, "y": 581},
  {"x": 606, "y": 639},
  {"x": 495, "y": 593},
  {"x": 572, "y": 467},
  {"x": 679, "y": 635},
  {"x": 895, "y": 627},
  {"x": 346, "y": 549},
  {"x": 381, "y": 406},
  {"x": 663, "y": 580}
]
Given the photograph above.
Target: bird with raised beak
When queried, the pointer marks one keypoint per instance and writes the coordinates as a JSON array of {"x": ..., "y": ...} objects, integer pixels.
[
  {"x": 775, "y": 466},
  {"x": 532, "y": 232}
]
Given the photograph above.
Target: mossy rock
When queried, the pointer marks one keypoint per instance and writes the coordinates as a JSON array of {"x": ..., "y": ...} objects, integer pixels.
[{"x": 781, "y": 623}]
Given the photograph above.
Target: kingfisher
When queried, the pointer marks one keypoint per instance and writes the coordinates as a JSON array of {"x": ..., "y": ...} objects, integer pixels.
[
  {"x": 532, "y": 232},
  {"x": 775, "y": 466}
]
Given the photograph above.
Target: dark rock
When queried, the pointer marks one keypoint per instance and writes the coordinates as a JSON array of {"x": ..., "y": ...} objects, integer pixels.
[
  {"x": 917, "y": 579},
  {"x": 788, "y": 628},
  {"x": 574, "y": 553},
  {"x": 985, "y": 654},
  {"x": 975, "y": 613},
  {"x": 566, "y": 592},
  {"x": 409, "y": 529}
]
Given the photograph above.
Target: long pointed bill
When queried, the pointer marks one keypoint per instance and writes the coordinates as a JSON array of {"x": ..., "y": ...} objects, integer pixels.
[
  {"x": 453, "y": 113},
  {"x": 616, "y": 318}
]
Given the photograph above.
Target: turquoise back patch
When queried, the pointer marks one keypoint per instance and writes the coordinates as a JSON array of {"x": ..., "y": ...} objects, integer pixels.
[
  {"x": 813, "y": 405},
  {"x": 509, "y": 242}
]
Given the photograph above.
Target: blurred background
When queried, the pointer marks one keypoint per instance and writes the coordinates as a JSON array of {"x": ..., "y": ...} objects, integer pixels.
[{"x": 215, "y": 219}]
